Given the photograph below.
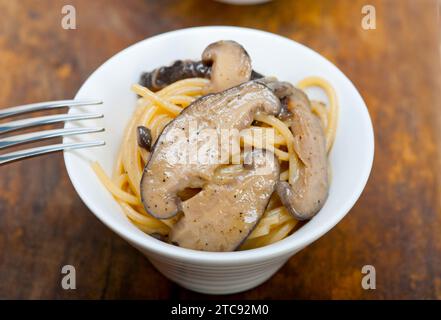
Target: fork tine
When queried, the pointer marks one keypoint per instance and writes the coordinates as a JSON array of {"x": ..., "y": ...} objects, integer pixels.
[
  {"x": 41, "y": 135},
  {"x": 29, "y": 153},
  {"x": 9, "y": 112},
  {"x": 38, "y": 121}
]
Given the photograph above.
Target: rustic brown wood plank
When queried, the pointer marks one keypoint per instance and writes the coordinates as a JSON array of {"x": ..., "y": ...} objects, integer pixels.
[{"x": 395, "y": 226}]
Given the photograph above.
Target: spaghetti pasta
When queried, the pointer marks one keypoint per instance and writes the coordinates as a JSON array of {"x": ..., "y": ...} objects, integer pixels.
[
  {"x": 332, "y": 112},
  {"x": 156, "y": 109}
]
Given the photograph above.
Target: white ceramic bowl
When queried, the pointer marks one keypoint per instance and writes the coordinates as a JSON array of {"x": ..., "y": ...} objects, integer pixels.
[{"x": 212, "y": 272}]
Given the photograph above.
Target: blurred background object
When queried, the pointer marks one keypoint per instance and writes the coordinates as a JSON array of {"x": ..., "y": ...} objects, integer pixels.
[
  {"x": 244, "y": 2},
  {"x": 395, "y": 226}
]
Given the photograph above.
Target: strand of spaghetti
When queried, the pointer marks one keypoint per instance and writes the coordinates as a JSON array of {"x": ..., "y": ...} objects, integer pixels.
[
  {"x": 132, "y": 164},
  {"x": 273, "y": 203},
  {"x": 146, "y": 227},
  {"x": 145, "y": 120},
  {"x": 170, "y": 222},
  {"x": 320, "y": 110},
  {"x": 283, "y": 231},
  {"x": 274, "y": 236},
  {"x": 156, "y": 125},
  {"x": 129, "y": 153},
  {"x": 163, "y": 123},
  {"x": 138, "y": 156},
  {"x": 289, "y": 138},
  {"x": 148, "y": 114},
  {"x": 270, "y": 222},
  {"x": 156, "y": 99},
  {"x": 281, "y": 213},
  {"x": 284, "y": 176},
  {"x": 277, "y": 124},
  {"x": 262, "y": 229},
  {"x": 119, "y": 167},
  {"x": 144, "y": 156},
  {"x": 189, "y": 91},
  {"x": 273, "y": 212},
  {"x": 182, "y": 100},
  {"x": 116, "y": 192},
  {"x": 333, "y": 105},
  {"x": 269, "y": 218},
  {"x": 186, "y": 83},
  {"x": 120, "y": 181},
  {"x": 264, "y": 226},
  {"x": 135, "y": 161},
  {"x": 276, "y": 138},
  {"x": 293, "y": 168},
  {"x": 129, "y": 129},
  {"x": 282, "y": 155},
  {"x": 142, "y": 219},
  {"x": 285, "y": 217}
]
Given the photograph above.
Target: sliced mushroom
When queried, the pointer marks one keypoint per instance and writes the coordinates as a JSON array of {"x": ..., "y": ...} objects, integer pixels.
[
  {"x": 231, "y": 65},
  {"x": 181, "y": 69},
  {"x": 282, "y": 90},
  {"x": 222, "y": 215},
  {"x": 306, "y": 196},
  {"x": 184, "y": 157},
  {"x": 144, "y": 137},
  {"x": 228, "y": 59},
  {"x": 308, "y": 193}
]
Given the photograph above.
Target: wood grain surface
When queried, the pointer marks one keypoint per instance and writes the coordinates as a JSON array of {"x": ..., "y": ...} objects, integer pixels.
[{"x": 395, "y": 226}]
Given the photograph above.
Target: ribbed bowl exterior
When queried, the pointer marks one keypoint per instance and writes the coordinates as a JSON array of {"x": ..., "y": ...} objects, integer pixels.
[{"x": 217, "y": 279}]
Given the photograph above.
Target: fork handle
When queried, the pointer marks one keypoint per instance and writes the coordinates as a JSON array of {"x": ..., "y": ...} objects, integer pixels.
[
  {"x": 13, "y": 111},
  {"x": 29, "y": 153}
]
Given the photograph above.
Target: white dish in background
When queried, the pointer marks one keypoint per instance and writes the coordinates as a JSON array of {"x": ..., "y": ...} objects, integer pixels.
[
  {"x": 244, "y": 2},
  {"x": 219, "y": 272}
]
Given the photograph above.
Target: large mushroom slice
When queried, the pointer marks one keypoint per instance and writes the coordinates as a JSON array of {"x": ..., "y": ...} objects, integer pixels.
[
  {"x": 307, "y": 194},
  {"x": 225, "y": 62},
  {"x": 231, "y": 65},
  {"x": 222, "y": 215},
  {"x": 187, "y": 152}
]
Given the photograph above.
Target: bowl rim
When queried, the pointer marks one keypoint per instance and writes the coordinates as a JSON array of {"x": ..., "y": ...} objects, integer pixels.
[{"x": 283, "y": 247}]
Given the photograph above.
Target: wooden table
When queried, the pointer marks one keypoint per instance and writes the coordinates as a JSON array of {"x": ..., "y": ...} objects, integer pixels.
[{"x": 395, "y": 226}]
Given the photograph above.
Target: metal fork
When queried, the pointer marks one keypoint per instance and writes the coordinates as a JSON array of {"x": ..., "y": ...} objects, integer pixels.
[{"x": 46, "y": 134}]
